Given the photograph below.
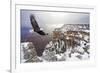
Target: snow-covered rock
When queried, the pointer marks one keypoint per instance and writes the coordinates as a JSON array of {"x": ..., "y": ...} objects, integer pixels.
[
  {"x": 49, "y": 55},
  {"x": 60, "y": 49},
  {"x": 28, "y": 52}
]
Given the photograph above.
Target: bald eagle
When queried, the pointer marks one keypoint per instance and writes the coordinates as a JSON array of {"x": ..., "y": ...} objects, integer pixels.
[{"x": 35, "y": 25}]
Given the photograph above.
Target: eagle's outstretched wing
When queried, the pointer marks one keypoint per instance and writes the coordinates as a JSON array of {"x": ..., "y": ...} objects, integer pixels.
[{"x": 35, "y": 25}]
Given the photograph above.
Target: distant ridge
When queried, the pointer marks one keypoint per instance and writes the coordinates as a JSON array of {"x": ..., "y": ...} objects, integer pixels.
[{"x": 74, "y": 27}]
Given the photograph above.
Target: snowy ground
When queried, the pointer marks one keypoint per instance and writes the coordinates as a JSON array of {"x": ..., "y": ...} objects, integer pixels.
[{"x": 28, "y": 54}]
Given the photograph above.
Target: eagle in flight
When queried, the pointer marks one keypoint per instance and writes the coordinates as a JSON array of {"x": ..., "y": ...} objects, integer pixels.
[{"x": 35, "y": 25}]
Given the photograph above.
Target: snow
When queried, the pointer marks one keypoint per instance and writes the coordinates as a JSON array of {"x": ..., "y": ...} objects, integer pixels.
[
  {"x": 58, "y": 50},
  {"x": 50, "y": 56}
]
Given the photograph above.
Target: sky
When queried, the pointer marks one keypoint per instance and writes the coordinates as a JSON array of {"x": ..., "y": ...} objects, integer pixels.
[{"x": 48, "y": 20}]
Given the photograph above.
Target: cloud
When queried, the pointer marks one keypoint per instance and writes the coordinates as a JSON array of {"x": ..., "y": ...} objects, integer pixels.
[
  {"x": 31, "y": 31},
  {"x": 48, "y": 20}
]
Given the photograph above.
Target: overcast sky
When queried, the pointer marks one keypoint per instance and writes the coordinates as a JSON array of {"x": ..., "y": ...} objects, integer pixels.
[{"x": 50, "y": 20}]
